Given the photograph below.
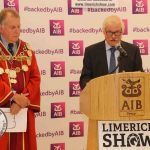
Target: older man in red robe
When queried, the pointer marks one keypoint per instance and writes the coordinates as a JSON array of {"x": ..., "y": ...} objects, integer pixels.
[{"x": 19, "y": 81}]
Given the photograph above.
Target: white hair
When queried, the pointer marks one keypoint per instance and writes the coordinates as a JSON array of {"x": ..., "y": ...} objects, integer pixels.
[{"x": 113, "y": 19}]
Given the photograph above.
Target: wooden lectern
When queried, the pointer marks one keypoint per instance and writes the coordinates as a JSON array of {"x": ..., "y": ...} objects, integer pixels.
[{"x": 115, "y": 97}]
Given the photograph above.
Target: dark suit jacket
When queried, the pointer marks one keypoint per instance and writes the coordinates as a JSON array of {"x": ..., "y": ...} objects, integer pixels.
[{"x": 95, "y": 61}]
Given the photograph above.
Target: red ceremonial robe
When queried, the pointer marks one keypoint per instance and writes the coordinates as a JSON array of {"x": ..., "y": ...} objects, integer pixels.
[{"x": 27, "y": 82}]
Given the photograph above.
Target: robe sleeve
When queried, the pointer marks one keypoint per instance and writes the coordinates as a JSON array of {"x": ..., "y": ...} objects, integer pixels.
[
  {"x": 5, "y": 92},
  {"x": 32, "y": 87}
]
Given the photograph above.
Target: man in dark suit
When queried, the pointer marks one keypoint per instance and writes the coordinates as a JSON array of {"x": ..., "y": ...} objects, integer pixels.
[{"x": 97, "y": 58}]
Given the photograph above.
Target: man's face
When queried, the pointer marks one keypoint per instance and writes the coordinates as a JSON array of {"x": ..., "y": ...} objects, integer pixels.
[
  {"x": 10, "y": 29},
  {"x": 113, "y": 34}
]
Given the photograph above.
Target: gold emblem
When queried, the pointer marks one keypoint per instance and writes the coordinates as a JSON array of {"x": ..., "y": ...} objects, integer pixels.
[
  {"x": 3, "y": 57},
  {"x": 25, "y": 68},
  {"x": 7, "y": 71},
  {"x": 12, "y": 74},
  {"x": 13, "y": 81},
  {"x": 17, "y": 69},
  {"x": 1, "y": 70},
  {"x": 29, "y": 62},
  {"x": 29, "y": 52}
]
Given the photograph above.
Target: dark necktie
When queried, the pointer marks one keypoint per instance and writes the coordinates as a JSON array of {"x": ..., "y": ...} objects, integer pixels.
[
  {"x": 10, "y": 48},
  {"x": 112, "y": 60}
]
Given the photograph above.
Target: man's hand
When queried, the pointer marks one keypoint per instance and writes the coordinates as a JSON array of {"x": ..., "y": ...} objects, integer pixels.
[
  {"x": 21, "y": 100},
  {"x": 14, "y": 109}
]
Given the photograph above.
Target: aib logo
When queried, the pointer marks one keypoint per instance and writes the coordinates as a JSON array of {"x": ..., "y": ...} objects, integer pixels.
[
  {"x": 75, "y": 48},
  {"x": 11, "y": 4},
  {"x": 58, "y": 110},
  {"x": 58, "y": 146},
  {"x": 125, "y": 22},
  {"x": 74, "y": 11},
  {"x": 131, "y": 96},
  {"x": 74, "y": 89},
  {"x": 139, "y": 6},
  {"x": 131, "y": 88},
  {"x": 58, "y": 69},
  {"x": 143, "y": 46},
  {"x": 76, "y": 129},
  {"x": 56, "y": 27}
]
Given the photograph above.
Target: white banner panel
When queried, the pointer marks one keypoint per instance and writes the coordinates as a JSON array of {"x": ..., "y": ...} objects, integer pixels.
[
  {"x": 123, "y": 135},
  {"x": 94, "y": 3},
  {"x": 58, "y": 32}
]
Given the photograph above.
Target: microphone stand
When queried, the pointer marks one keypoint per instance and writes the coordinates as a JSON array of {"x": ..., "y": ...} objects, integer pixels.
[{"x": 122, "y": 55}]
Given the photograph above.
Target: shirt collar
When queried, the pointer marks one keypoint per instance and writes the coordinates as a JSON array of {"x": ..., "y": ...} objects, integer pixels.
[
  {"x": 108, "y": 46},
  {"x": 5, "y": 43}
]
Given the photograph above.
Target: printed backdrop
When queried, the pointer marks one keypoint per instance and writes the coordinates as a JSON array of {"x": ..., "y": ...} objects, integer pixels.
[{"x": 58, "y": 34}]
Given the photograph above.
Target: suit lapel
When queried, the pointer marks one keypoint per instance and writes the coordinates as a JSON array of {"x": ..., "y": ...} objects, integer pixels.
[{"x": 103, "y": 58}]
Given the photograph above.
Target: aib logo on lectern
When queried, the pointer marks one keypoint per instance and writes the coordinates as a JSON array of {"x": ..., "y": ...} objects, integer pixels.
[
  {"x": 131, "y": 96},
  {"x": 58, "y": 110},
  {"x": 76, "y": 129},
  {"x": 58, "y": 69},
  {"x": 74, "y": 89},
  {"x": 56, "y": 27},
  {"x": 58, "y": 146},
  {"x": 143, "y": 46},
  {"x": 11, "y": 4},
  {"x": 75, "y": 48},
  {"x": 139, "y": 6},
  {"x": 74, "y": 11}
]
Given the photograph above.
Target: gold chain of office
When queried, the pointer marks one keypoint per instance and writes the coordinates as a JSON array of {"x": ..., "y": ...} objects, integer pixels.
[{"x": 12, "y": 72}]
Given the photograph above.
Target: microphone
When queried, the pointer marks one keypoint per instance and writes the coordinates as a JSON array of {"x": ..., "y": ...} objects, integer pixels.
[{"x": 122, "y": 51}]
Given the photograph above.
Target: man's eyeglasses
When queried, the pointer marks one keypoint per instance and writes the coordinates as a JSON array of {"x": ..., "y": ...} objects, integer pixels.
[{"x": 117, "y": 33}]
